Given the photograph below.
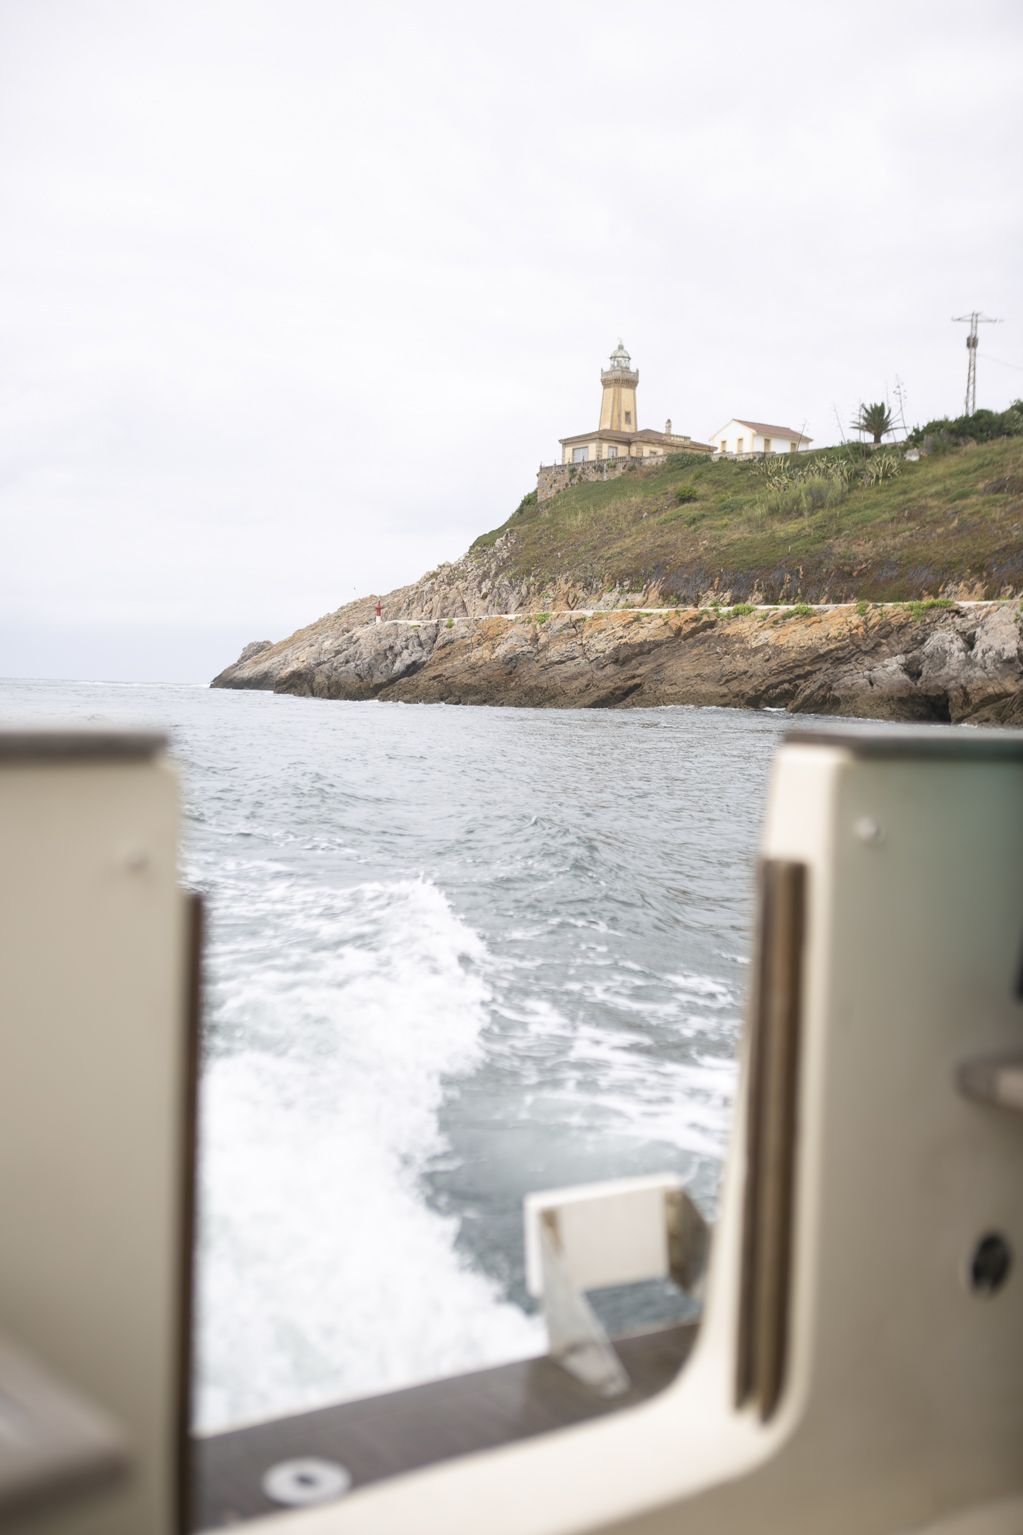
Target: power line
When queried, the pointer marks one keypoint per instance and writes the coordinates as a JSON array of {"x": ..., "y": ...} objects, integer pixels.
[{"x": 973, "y": 319}]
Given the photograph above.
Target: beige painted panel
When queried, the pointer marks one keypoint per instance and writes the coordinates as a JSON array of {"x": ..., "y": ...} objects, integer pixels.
[{"x": 91, "y": 1107}]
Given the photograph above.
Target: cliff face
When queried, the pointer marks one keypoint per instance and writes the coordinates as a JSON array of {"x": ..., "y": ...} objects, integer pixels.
[{"x": 889, "y": 663}]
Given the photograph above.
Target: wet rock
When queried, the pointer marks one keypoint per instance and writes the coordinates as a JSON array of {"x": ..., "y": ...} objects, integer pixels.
[{"x": 892, "y": 663}]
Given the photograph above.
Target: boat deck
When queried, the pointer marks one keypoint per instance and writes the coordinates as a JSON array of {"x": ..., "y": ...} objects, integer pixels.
[{"x": 383, "y": 1435}]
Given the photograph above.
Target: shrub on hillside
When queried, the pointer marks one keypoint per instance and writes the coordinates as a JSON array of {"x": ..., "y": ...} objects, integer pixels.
[
  {"x": 799, "y": 484},
  {"x": 881, "y": 466},
  {"x": 802, "y": 496},
  {"x": 983, "y": 426},
  {"x": 684, "y": 460}
]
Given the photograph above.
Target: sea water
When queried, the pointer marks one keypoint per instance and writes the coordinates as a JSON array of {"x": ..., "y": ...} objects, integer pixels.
[{"x": 454, "y": 955}]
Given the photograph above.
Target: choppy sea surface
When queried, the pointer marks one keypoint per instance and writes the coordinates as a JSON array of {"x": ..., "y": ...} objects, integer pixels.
[{"x": 454, "y": 955}]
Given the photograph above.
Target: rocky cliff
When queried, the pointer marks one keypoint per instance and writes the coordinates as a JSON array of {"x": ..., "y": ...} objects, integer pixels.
[
  {"x": 873, "y": 531},
  {"x": 894, "y": 661}
]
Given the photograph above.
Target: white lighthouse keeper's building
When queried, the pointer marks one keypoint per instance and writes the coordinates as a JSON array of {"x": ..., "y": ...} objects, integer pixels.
[{"x": 747, "y": 439}]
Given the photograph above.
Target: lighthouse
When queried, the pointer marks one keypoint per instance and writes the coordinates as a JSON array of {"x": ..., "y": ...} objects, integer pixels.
[
  {"x": 618, "y": 436},
  {"x": 619, "y": 380}
]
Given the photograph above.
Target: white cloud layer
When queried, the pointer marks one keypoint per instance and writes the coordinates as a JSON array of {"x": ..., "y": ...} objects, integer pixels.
[{"x": 295, "y": 297}]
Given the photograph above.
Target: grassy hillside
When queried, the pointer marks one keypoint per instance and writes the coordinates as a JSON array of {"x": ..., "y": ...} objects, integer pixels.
[{"x": 830, "y": 526}]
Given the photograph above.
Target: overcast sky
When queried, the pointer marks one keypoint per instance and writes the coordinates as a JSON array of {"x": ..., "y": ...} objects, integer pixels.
[{"x": 295, "y": 295}]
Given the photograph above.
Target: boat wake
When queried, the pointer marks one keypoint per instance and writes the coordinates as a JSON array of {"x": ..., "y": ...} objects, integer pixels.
[{"x": 337, "y": 1015}]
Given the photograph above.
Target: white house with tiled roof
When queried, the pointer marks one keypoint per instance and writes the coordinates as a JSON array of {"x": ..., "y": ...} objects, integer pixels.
[{"x": 741, "y": 439}]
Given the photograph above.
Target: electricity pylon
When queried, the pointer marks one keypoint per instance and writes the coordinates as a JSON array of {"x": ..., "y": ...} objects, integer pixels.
[{"x": 973, "y": 319}]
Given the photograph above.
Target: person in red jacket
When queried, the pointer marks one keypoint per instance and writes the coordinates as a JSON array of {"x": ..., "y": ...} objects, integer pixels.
[{"x": 378, "y": 609}]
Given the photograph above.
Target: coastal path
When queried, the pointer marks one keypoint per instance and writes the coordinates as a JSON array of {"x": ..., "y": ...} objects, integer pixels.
[{"x": 724, "y": 609}]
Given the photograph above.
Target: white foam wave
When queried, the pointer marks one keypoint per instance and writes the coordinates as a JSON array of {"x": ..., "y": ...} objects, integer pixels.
[
  {"x": 711, "y": 993},
  {"x": 324, "y": 1274}
]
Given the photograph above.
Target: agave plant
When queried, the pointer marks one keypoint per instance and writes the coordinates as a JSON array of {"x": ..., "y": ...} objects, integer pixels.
[
  {"x": 881, "y": 466},
  {"x": 837, "y": 469},
  {"x": 875, "y": 420}
]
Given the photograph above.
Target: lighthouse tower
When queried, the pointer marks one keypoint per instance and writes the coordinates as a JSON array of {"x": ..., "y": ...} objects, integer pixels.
[
  {"x": 618, "y": 406},
  {"x": 618, "y": 438}
]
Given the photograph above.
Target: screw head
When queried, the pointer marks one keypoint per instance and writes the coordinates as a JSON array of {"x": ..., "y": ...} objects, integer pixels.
[
  {"x": 869, "y": 831},
  {"x": 306, "y": 1480}
]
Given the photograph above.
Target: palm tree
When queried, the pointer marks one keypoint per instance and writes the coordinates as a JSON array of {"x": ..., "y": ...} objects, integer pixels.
[{"x": 874, "y": 419}]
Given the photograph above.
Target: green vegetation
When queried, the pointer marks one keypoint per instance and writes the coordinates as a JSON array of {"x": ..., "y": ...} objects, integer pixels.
[
  {"x": 835, "y": 525},
  {"x": 806, "y": 482},
  {"x": 741, "y": 610},
  {"x": 918, "y": 609},
  {"x": 450, "y": 624},
  {"x": 863, "y": 607},
  {"x": 684, "y": 460},
  {"x": 983, "y": 426},
  {"x": 540, "y": 618},
  {"x": 875, "y": 420}
]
